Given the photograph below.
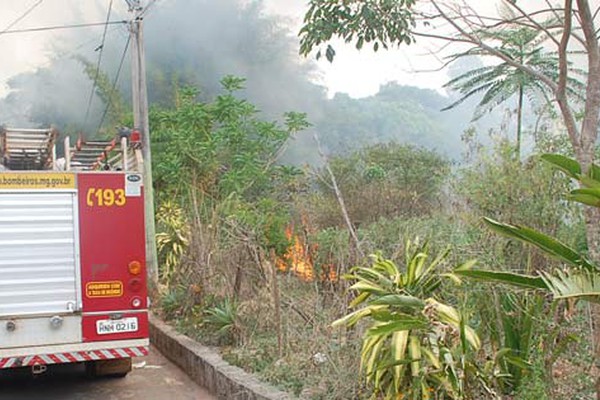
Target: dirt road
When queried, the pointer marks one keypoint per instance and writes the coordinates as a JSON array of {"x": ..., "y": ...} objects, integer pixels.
[{"x": 153, "y": 378}]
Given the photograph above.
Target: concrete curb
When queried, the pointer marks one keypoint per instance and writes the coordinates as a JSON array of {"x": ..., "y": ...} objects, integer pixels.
[{"x": 207, "y": 368}]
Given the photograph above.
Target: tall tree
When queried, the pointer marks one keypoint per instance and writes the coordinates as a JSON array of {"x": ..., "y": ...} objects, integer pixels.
[
  {"x": 384, "y": 23},
  {"x": 501, "y": 82}
]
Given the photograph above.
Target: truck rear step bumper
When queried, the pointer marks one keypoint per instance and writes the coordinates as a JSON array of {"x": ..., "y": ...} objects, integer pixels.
[{"x": 71, "y": 353}]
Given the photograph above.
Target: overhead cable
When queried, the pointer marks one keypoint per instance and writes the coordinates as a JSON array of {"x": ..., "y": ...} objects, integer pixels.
[
  {"x": 97, "y": 73},
  {"x": 146, "y": 9},
  {"x": 57, "y": 27},
  {"x": 114, "y": 85},
  {"x": 25, "y": 14}
]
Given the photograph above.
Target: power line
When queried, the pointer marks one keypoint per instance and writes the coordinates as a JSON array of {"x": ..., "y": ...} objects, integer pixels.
[
  {"x": 89, "y": 41},
  {"x": 147, "y": 8},
  {"x": 71, "y": 52},
  {"x": 57, "y": 27},
  {"x": 91, "y": 98},
  {"x": 114, "y": 85},
  {"x": 25, "y": 14}
]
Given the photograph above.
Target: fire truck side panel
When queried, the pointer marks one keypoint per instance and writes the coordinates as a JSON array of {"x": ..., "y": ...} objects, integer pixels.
[
  {"x": 112, "y": 248},
  {"x": 39, "y": 289}
]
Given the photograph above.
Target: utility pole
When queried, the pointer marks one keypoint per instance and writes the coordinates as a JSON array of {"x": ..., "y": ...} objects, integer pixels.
[{"x": 141, "y": 123}]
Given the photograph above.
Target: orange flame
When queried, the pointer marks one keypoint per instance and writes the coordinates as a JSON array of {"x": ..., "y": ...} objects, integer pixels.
[{"x": 298, "y": 259}]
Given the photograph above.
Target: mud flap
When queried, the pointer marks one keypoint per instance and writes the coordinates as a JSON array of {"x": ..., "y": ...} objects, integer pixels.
[{"x": 117, "y": 368}]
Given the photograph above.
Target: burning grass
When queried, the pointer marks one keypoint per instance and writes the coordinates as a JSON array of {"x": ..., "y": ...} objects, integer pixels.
[{"x": 299, "y": 260}]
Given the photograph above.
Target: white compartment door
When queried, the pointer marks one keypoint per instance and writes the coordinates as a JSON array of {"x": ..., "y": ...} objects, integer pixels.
[{"x": 38, "y": 254}]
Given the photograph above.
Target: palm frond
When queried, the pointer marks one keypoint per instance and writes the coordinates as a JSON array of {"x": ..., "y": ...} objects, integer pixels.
[
  {"x": 465, "y": 84},
  {"x": 574, "y": 284},
  {"x": 468, "y": 75},
  {"x": 465, "y": 97},
  {"x": 498, "y": 93}
]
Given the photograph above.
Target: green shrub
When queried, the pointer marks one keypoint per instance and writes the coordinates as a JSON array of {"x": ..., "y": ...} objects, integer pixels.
[{"x": 386, "y": 181}]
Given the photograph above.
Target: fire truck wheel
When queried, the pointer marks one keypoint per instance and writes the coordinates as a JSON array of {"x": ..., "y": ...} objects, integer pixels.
[{"x": 118, "y": 368}]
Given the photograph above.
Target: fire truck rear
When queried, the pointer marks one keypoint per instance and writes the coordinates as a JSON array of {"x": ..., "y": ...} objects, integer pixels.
[{"x": 72, "y": 253}]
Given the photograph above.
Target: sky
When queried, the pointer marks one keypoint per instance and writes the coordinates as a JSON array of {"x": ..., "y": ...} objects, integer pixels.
[
  {"x": 360, "y": 73},
  {"x": 356, "y": 73},
  {"x": 24, "y": 52}
]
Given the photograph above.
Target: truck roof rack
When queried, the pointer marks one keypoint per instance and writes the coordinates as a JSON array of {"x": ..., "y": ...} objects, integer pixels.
[
  {"x": 102, "y": 155},
  {"x": 35, "y": 149},
  {"x": 28, "y": 149}
]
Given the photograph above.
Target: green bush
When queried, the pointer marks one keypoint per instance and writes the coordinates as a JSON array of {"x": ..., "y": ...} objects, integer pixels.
[{"x": 386, "y": 181}]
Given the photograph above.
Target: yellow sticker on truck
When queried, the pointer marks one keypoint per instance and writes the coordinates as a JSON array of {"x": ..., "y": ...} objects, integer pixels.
[
  {"x": 37, "y": 180},
  {"x": 104, "y": 289},
  {"x": 105, "y": 197}
]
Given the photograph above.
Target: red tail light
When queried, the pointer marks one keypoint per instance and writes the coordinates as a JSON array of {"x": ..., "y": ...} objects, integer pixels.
[{"x": 135, "y": 267}]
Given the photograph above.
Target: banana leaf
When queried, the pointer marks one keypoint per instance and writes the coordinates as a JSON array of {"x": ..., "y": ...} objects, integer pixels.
[
  {"x": 579, "y": 284},
  {"x": 544, "y": 242},
  {"x": 509, "y": 278},
  {"x": 567, "y": 165}
]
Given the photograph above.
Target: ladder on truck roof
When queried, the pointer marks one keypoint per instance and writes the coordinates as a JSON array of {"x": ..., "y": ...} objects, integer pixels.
[
  {"x": 102, "y": 155},
  {"x": 28, "y": 149},
  {"x": 35, "y": 149}
]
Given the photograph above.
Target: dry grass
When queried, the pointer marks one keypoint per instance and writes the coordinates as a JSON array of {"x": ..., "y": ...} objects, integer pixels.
[{"x": 298, "y": 350}]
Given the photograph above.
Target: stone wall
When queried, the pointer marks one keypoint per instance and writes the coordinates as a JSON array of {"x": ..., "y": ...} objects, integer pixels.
[{"x": 207, "y": 368}]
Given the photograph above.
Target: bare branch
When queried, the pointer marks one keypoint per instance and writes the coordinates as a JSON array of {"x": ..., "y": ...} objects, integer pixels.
[
  {"x": 527, "y": 21},
  {"x": 587, "y": 25},
  {"x": 513, "y": 4},
  {"x": 554, "y": 10},
  {"x": 442, "y": 37},
  {"x": 443, "y": 65},
  {"x": 469, "y": 37},
  {"x": 338, "y": 195},
  {"x": 562, "y": 51},
  {"x": 596, "y": 13},
  {"x": 499, "y": 22},
  {"x": 594, "y": 18}
]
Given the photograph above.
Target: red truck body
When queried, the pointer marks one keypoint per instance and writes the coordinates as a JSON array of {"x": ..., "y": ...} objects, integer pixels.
[{"x": 72, "y": 268}]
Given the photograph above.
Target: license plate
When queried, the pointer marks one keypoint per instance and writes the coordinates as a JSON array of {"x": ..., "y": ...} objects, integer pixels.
[{"x": 108, "y": 326}]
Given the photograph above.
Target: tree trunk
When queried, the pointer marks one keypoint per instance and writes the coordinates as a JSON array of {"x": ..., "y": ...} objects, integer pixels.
[
  {"x": 519, "y": 122},
  {"x": 592, "y": 226},
  {"x": 276, "y": 302},
  {"x": 586, "y": 145},
  {"x": 339, "y": 197},
  {"x": 585, "y": 154}
]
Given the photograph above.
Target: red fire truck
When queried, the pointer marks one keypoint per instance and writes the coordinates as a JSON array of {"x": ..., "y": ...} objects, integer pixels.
[{"x": 72, "y": 253}]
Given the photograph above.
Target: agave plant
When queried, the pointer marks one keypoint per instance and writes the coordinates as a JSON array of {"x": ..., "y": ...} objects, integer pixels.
[
  {"x": 223, "y": 318},
  {"x": 415, "y": 346},
  {"x": 172, "y": 239}
]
